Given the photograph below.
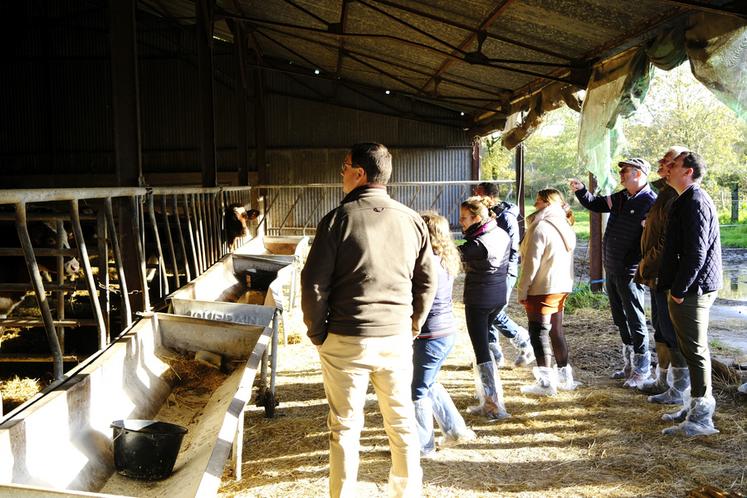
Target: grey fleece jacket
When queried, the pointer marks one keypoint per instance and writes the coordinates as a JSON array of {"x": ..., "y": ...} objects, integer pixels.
[{"x": 370, "y": 271}]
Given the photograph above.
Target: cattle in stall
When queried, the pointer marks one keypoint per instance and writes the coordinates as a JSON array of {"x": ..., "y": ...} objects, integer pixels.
[
  {"x": 13, "y": 269},
  {"x": 236, "y": 218}
]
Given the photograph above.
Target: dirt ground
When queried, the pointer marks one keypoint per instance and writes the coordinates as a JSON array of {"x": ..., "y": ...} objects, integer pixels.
[{"x": 600, "y": 440}]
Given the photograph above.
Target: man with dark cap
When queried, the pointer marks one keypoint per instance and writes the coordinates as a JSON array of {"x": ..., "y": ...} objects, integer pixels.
[{"x": 621, "y": 248}]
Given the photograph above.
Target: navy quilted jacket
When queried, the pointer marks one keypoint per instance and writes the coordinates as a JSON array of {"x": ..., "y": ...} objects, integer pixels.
[
  {"x": 506, "y": 217},
  {"x": 691, "y": 262},
  {"x": 622, "y": 238}
]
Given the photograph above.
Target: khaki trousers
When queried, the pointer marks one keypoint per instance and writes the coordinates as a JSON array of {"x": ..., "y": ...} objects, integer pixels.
[{"x": 348, "y": 362}]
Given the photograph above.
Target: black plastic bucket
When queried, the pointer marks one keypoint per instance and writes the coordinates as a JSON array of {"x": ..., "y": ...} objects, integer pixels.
[{"x": 146, "y": 449}]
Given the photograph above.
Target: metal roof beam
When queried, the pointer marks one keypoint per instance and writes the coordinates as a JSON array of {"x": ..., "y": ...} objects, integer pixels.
[
  {"x": 485, "y": 24},
  {"x": 451, "y": 22}
]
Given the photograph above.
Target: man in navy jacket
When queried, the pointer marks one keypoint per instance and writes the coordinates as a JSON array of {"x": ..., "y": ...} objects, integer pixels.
[
  {"x": 621, "y": 248},
  {"x": 691, "y": 271}
]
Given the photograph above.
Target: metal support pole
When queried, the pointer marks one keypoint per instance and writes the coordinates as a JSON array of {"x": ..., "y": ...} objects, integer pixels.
[
  {"x": 90, "y": 283},
  {"x": 170, "y": 240},
  {"x": 204, "y": 36},
  {"x": 37, "y": 282},
  {"x": 161, "y": 261},
  {"x": 182, "y": 244},
  {"x": 60, "y": 294},
  {"x": 123, "y": 289},
  {"x": 103, "y": 264},
  {"x": 193, "y": 246}
]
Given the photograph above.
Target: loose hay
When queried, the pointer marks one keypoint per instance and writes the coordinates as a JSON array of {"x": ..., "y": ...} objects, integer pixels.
[
  {"x": 16, "y": 391},
  {"x": 600, "y": 440}
]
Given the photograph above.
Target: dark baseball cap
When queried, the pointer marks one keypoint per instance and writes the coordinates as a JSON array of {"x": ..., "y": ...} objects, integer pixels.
[{"x": 637, "y": 163}]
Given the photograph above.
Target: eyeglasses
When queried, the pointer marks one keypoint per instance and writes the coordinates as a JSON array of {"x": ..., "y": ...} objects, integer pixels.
[{"x": 346, "y": 165}]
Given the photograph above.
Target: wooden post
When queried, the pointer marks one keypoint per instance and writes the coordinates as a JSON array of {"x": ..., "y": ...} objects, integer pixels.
[
  {"x": 596, "y": 271},
  {"x": 735, "y": 203},
  {"x": 519, "y": 165},
  {"x": 474, "y": 171},
  {"x": 205, "y": 10}
]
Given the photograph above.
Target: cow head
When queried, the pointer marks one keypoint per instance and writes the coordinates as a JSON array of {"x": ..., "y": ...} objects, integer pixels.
[{"x": 236, "y": 219}]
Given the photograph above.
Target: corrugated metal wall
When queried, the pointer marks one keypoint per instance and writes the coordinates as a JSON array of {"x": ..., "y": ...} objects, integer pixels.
[
  {"x": 56, "y": 107},
  {"x": 296, "y": 209}
]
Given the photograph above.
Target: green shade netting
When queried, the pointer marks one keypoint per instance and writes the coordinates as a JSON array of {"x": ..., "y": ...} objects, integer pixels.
[{"x": 716, "y": 46}]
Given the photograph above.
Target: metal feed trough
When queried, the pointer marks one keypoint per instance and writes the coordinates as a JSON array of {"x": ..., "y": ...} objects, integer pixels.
[
  {"x": 60, "y": 442},
  {"x": 218, "y": 293}
]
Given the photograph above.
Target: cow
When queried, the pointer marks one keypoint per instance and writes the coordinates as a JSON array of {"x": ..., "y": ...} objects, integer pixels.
[
  {"x": 236, "y": 218},
  {"x": 13, "y": 269}
]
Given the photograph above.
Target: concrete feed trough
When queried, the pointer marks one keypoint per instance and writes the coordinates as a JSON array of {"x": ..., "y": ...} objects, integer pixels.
[
  {"x": 219, "y": 294},
  {"x": 60, "y": 441}
]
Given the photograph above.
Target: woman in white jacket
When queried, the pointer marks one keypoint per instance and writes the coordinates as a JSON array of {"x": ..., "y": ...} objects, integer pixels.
[{"x": 545, "y": 282}]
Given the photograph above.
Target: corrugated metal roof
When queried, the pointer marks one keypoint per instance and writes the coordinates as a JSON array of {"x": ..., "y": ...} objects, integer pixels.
[{"x": 470, "y": 56}]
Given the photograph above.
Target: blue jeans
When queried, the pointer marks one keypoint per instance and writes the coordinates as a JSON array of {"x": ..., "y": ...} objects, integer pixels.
[
  {"x": 628, "y": 313},
  {"x": 663, "y": 328},
  {"x": 502, "y": 322},
  {"x": 430, "y": 398},
  {"x": 427, "y": 357}
]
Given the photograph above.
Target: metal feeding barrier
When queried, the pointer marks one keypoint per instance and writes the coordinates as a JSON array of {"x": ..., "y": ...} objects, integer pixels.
[
  {"x": 177, "y": 233},
  {"x": 296, "y": 209}
]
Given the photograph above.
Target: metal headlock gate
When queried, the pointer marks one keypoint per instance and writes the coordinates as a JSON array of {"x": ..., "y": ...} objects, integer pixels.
[
  {"x": 297, "y": 209},
  {"x": 180, "y": 231}
]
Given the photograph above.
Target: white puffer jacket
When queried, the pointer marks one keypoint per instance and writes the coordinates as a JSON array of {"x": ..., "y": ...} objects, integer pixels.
[{"x": 547, "y": 254}]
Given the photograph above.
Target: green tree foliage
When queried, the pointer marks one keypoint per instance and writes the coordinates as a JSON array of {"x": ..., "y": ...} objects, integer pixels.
[
  {"x": 678, "y": 110},
  {"x": 681, "y": 111}
]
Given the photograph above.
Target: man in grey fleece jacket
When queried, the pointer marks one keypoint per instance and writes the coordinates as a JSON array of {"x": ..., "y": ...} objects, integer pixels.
[{"x": 367, "y": 287}]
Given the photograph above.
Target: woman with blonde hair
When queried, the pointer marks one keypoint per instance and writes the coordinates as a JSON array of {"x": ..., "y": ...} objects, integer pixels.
[
  {"x": 544, "y": 284},
  {"x": 485, "y": 255},
  {"x": 433, "y": 345}
]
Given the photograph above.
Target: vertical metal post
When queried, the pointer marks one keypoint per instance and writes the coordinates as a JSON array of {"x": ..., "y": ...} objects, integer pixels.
[
  {"x": 182, "y": 245},
  {"x": 38, "y": 284},
  {"x": 204, "y": 240},
  {"x": 60, "y": 294},
  {"x": 198, "y": 231},
  {"x": 242, "y": 142},
  {"x": 170, "y": 240},
  {"x": 260, "y": 123},
  {"x": 103, "y": 264},
  {"x": 204, "y": 37},
  {"x": 125, "y": 91},
  {"x": 127, "y": 308},
  {"x": 137, "y": 213},
  {"x": 213, "y": 226},
  {"x": 192, "y": 235},
  {"x": 161, "y": 261},
  {"x": 90, "y": 283}
]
